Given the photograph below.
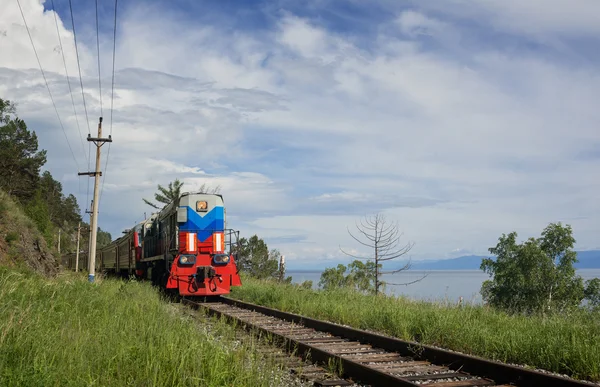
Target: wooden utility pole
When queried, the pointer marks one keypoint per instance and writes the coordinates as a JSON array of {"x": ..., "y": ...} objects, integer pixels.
[
  {"x": 89, "y": 236},
  {"x": 98, "y": 141},
  {"x": 77, "y": 253},
  {"x": 59, "y": 230}
]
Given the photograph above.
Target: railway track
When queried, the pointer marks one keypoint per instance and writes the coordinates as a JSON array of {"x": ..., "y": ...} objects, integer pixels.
[{"x": 374, "y": 359}]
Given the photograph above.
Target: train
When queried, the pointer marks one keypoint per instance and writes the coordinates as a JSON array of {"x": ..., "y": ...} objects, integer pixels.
[{"x": 185, "y": 249}]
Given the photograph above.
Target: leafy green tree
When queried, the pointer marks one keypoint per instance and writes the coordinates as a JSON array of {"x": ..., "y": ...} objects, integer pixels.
[
  {"x": 103, "y": 238},
  {"x": 70, "y": 209},
  {"x": 37, "y": 210},
  {"x": 308, "y": 284},
  {"x": 63, "y": 211},
  {"x": 173, "y": 192},
  {"x": 592, "y": 292},
  {"x": 357, "y": 275},
  {"x": 40, "y": 196},
  {"x": 362, "y": 276},
  {"x": 20, "y": 160},
  {"x": 255, "y": 258},
  {"x": 333, "y": 277},
  {"x": 52, "y": 194},
  {"x": 536, "y": 275}
]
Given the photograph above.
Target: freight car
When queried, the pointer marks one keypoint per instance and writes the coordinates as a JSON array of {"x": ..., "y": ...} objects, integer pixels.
[{"x": 185, "y": 248}]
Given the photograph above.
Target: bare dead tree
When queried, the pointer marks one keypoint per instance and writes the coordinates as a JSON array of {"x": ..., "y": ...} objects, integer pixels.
[{"x": 383, "y": 238}]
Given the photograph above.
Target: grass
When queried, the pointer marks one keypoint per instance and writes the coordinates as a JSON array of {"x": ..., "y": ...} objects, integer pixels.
[
  {"x": 563, "y": 344},
  {"x": 67, "y": 332}
]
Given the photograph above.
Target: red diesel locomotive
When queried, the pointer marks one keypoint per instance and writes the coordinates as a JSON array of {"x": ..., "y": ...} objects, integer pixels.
[{"x": 185, "y": 248}]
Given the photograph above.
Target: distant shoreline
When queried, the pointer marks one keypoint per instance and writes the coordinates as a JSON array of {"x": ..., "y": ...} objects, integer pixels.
[
  {"x": 292, "y": 271},
  {"x": 586, "y": 260}
]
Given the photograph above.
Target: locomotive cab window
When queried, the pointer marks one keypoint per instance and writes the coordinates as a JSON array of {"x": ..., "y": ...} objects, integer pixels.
[{"x": 201, "y": 206}]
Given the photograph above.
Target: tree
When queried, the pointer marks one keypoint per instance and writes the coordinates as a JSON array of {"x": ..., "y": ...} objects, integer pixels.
[
  {"x": 536, "y": 275},
  {"x": 63, "y": 211},
  {"x": 166, "y": 195},
  {"x": 362, "y": 276},
  {"x": 41, "y": 196},
  {"x": 37, "y": 210},
  {"x": 70, "y": 209},
  {"x": 103, "y": 238},
  {"x": 592, "y": 292},
  {"x": 308, "y": 284},
  {"x": 383, "y": 239},
  {"x": 333, "y": 277},
  {"x": 255, "y": 258},
  {"x": 20, "y": 160},
  {"x": 357, "y": 275},
  {"x": 173, "y": 192}
]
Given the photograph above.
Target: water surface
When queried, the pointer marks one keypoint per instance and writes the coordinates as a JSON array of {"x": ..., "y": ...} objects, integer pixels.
[{"x": 437, "y": 285}]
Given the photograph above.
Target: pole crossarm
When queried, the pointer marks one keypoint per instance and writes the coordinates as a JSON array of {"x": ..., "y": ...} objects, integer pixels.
[
  {"x": 98, "y": 140},
  {"x": 99, "y": 173}
]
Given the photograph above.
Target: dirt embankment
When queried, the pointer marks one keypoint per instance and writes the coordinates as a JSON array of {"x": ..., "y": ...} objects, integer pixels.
[{"x": 21, "y": 244}]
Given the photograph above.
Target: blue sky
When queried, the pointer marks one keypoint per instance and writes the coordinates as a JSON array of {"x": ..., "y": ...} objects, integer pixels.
[{"x": 461, "y": 120}]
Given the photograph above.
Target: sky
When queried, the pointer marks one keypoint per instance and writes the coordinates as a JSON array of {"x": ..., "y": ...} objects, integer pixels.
[{"x": 459, "y": 120}]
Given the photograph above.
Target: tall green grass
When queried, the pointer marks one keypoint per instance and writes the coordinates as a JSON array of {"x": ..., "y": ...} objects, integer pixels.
[
  {"x": 565, "y": 344},
  {"x": 67, "y": 332}
]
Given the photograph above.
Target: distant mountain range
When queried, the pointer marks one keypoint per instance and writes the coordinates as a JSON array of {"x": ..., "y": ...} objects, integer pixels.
[{"x": 587, "y": 260}]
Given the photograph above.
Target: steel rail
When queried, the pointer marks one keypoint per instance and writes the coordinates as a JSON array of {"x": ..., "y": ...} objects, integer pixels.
[
  {"x": 311, "y": 352},
  {"x": 475, "y": 371}
]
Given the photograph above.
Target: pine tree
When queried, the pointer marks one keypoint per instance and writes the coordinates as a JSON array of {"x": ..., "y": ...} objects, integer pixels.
[{"x": 20, "y": 160}]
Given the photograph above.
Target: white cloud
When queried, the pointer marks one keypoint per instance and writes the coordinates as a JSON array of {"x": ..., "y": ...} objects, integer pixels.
[
  {"x": 535, "y": 17},
  {"x": 301, "y": 37},
  {"x": 458, "y": 146},
  {"x": 415, "y": 23}
]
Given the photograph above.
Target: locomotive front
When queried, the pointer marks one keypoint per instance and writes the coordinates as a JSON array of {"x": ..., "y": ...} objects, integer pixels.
[{"x": 202, "y": 267}]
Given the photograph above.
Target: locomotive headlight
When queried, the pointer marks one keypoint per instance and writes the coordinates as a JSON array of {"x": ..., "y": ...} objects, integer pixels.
[
  {"x": 201, "y": 206},
  {"x": 187, "y": 259},
  {"x": 220, "y": 259}
]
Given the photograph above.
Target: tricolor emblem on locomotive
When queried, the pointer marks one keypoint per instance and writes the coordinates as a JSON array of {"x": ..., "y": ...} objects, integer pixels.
[{"x": 185, "y": 248}]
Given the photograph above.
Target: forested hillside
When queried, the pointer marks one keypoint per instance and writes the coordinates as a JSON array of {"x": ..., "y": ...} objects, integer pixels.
[{"x": 28, "y": 191}]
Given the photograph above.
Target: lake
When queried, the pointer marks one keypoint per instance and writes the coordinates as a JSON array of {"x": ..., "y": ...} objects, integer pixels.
[{"x": 438, "y": 285}]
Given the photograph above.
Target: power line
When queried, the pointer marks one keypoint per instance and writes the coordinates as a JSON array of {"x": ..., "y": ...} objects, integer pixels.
[
  {"x": 79, "y": 68},
  {"x": 98, "y": 46},
  {"x": 87, "y": 120},
  {"x": 68, "y": 80},
  {"x": 112, "y": 97},
  {"x": 47, "y": 86}
]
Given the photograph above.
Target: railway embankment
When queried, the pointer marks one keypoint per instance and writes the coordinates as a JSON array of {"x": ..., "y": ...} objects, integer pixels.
[
  {"x": 562, "y": 344},
  {"x": 64, "y": 331}
]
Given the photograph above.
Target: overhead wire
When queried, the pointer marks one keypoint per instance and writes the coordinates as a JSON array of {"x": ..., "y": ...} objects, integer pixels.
[
  {"x": 87, "y": 120},
  {"x": 47, "y": 86},
  {"x": 98, "y": 47},
  {"x": 112, "y": 96},
  {"x": 68, "y": 81}
]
